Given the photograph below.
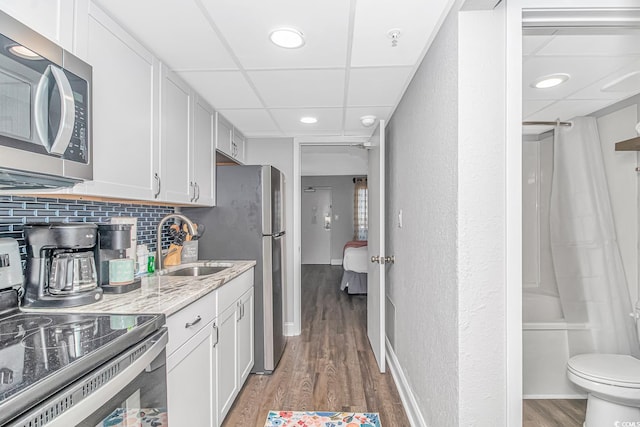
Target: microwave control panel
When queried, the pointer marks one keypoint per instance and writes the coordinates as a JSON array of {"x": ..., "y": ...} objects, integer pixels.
[{"x": 78, "y": 148}]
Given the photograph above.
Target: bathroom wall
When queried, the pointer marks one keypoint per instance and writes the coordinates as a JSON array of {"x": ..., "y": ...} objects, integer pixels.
[{"x": 16, "y": 211}]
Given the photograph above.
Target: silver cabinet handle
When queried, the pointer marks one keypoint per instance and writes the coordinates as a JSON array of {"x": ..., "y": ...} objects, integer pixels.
[
  {"x": 157, "y": 178},
  {"x": 375, "y": 258},
  {"x": 192, "y": 187},
  {"x": 390, "y": 259},
  {"x": 190, "y": 324},
  {"x": 198, "y": 192},
  {"x": 215, "y": 327}
]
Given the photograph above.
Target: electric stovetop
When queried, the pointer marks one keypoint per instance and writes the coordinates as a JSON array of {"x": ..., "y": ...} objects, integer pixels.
[{"x": 40, "y": 353}]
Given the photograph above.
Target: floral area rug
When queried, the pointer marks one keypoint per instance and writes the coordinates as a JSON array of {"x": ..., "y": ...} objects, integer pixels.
[{"x": 322, "y": 419}]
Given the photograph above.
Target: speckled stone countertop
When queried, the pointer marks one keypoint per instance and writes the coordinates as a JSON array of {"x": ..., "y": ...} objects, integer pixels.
[{"x": 163, "y": 294}]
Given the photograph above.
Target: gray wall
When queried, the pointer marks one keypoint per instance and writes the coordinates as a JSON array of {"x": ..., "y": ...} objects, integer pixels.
[
  {"x": 422, "y": 181},
  {"x": 341, "y": 204},
  {"x": 278, "y": 152}
]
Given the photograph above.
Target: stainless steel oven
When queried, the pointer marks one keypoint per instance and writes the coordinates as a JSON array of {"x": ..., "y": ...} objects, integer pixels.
[{"x": 45, "y": 111}]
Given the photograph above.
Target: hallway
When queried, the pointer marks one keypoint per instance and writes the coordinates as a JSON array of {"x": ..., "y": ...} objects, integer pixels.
[{"x": 330, "y": 366}]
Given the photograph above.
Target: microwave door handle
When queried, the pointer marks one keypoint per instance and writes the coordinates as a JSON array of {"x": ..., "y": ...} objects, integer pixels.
[
  {"x": 67, "y": 112},
  {"x": 42, "y": 108}
]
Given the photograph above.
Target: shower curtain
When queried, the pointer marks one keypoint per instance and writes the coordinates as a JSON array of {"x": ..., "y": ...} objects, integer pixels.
[{"x": 586, "y": 257}]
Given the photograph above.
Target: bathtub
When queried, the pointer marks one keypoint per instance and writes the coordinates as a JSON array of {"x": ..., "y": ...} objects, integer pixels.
[{"x": 545, "y": 348}]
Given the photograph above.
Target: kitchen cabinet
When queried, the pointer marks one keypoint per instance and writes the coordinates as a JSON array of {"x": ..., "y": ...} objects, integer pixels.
[
  {"x": 207, "y": 359},
  {"x": 203, "y": 160},
  {"x": 175, "y": 145},
  {"x": 189, "y": 374},
  {"x": 125, "y": 113},
  {"x": 54, "y": 19},
  {"x": 229, "y": 140},
  {"x": 245, "y": 335}
]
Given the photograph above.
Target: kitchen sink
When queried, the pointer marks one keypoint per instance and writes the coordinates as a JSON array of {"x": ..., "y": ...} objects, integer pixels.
[{"x": 196, "y": 271}]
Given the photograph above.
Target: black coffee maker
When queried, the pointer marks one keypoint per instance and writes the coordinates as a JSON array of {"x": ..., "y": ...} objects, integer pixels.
[
  {"x": 61, "y": 269},
  {"x": 113, "y": 242}
]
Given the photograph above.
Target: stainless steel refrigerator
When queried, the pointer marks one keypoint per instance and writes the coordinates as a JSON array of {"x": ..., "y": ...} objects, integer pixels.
[{"x": 247, "y": 223}]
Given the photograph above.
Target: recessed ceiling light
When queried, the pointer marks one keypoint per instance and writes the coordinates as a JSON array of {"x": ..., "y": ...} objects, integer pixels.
[
  {"x": 308, "y": 120},
  {"x": 23, "y": 52},
  {"x": 549, "y": 81},
  {"x": 289, "y": 38}
]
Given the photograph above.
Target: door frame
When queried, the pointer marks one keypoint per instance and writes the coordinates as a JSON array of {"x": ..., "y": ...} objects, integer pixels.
[{"x": 295, "y": 327}]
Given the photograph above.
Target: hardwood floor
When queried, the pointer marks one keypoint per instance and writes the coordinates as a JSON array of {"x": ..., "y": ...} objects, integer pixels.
[
  {"x": 329, "y": 367},
  {"x": 553, "y": 413}
]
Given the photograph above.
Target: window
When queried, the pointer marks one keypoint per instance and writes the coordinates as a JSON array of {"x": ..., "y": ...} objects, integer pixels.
[{"x": 360, "y": 209}]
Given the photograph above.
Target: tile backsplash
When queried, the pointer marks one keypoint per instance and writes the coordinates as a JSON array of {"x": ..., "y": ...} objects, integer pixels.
[{"x": 16, "y": 211}]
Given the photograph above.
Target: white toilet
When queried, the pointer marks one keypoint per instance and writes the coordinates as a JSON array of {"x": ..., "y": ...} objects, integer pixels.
[{"x": 613, "y": 383}]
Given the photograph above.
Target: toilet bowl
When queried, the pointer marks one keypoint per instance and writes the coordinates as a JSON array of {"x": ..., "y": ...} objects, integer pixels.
[{"x": 613, "y": 384}]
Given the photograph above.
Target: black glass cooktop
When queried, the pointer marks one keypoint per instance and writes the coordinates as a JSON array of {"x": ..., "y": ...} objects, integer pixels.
[{"x": 41, "y": 353}]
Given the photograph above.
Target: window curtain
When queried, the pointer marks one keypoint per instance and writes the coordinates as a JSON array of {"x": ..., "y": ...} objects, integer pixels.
[{"x": 360, "y": 209}]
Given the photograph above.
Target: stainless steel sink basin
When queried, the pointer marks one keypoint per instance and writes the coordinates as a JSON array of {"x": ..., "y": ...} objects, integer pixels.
[{"x": 195, "y": 271}]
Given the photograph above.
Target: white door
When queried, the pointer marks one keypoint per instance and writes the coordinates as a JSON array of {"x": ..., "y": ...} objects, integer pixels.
[
  {"x": 316, "y": 226},
  {"x": 376, "y": 287}
]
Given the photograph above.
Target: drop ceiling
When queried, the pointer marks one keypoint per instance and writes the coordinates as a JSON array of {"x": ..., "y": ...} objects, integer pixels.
[
  {"x": 604, "y": 65},
  {"x": 347, "y": 68}
]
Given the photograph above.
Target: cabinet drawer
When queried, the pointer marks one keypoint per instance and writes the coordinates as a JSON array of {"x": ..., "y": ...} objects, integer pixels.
[
  {"x": 229, "y": 293},
  {"x": 179, "y": 332}
]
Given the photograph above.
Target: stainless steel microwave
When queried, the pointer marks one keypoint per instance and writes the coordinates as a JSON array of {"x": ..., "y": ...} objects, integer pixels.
[{"x": 45, "y": 111}]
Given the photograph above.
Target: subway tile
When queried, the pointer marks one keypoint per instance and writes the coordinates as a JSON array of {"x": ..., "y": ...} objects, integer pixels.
[
  {"x": 23, "y": 199},
  {"x": 35, "y": 205},
  {"x": 11, "y": 205},
  {"x": 23, "y": 212},
  {"x": 58, "y": 206},
  {"x": 46, "y": 212}
]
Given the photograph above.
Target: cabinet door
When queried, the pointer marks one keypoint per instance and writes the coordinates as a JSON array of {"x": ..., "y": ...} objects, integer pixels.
[
  {"x": 204, "y": 161},
  {"x": 54, "y": 19},
  {"x": 245, "y": 336},
  {"x": 224, "y": 132},
  {"x": 190, "y": 395},
  {"x": 238, "y": 146},
  {"x": 124, "y": 84},
  {"x": 227, "y": 363},
  {"x": 175, "y": 116}
]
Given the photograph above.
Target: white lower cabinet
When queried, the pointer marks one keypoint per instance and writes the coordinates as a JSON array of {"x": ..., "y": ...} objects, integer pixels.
[{"x": 210, "y": 354}]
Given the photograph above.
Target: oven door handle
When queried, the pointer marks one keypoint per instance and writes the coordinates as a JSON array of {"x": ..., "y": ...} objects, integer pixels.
[{"x": 84, "y": 408}]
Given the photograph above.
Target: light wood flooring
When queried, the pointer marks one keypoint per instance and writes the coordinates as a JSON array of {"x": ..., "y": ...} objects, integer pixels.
[
  {"x": 329, "y": 367},
  {"x": 553, "y": 413}
]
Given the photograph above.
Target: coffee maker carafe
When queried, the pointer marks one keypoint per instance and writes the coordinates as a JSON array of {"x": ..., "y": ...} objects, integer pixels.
[{"x": 61, "y": 268}]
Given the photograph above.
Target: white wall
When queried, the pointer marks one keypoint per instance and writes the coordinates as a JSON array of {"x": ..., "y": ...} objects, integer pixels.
[
  {"x": 446, "y": 165},
  {"x": 333, "y": 160},
  {"x": 615, "y": 125},
  {"x": 278, "y": 152},
  {"x": 342, "y": 207}
]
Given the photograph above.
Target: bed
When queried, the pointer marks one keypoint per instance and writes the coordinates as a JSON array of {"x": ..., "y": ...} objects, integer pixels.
[{"x": 354, "y": 262}]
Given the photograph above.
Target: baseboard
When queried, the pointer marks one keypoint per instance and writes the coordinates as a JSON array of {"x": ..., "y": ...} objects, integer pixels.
[
  {"x": 289, "y": 329},
  {"x": 404, "y": 390},
  {"x": 554, "y": 396},
  {"x": 337, "y": 261}
]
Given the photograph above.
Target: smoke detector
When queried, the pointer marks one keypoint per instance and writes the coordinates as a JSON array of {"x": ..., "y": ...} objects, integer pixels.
[
  {"x": 367, "y": 121},
  {"x": 394, "y": 34}
]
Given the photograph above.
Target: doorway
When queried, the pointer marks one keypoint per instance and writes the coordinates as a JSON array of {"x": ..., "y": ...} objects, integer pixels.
[{"x": 316, "y": 217}]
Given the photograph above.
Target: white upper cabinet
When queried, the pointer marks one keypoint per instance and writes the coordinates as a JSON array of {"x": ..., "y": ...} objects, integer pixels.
[
  {"x": 203, "y": 162},
  {"x": 125, "y": 136},
  {"x": 54, "y": 19},
  {"x": 175, "y": 134},
  {"x": 229, "y": 141}
]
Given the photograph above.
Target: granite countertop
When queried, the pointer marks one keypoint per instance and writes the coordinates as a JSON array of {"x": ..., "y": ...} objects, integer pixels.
[{"x": 163, "y": 294}]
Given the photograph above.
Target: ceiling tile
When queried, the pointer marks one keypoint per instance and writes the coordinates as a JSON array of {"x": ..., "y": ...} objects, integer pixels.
[
  {"x": 531, "y": 106},
  {"x": 377, "y": 86},
  {"x": 352, "y": 119},
  {"x": 566, "y": 110},
  {"x": 246, "y": 25},
  {"x": 222, "y": 89},
  {"x": 531, "y": 43},
  {"x": 176, "y": 32},
  {"x": 595, "y": 91},
  {"x": 593, "y": 45},
  {"x": 416, "y": 20},
  {"x": 252, "y": 121},
  {"x": 583, "y": 71},
  {"x": 264, "y": 134},
  {"x": 302, "y": 88},
  {"x": 329, "y": 120}
]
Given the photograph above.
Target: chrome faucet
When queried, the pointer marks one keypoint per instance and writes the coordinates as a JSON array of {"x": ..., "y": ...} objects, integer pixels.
[{"x": 190, "y": 226}]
